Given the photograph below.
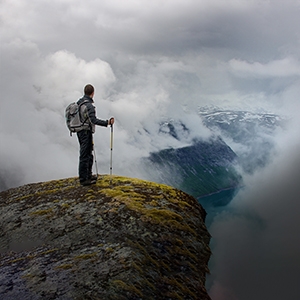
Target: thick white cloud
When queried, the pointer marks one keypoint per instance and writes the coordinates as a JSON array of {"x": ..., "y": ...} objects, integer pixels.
[
  {"x": 46, "y": 84},
  {"x": 35, "y": 144},
  {"x": 285, "y": 67}
]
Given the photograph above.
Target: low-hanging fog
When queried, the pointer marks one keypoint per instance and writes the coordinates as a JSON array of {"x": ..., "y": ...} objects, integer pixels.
[{"x": 151, "y": 62}]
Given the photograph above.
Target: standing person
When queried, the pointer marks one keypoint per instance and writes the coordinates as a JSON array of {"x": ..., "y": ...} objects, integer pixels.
[{"x": 85, "y": 137}]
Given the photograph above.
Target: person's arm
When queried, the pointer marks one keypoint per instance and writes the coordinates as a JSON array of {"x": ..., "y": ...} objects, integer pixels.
[{"x": 93, "y": 118}]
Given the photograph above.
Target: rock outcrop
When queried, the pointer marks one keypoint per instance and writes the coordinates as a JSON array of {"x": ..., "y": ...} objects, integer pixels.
[{"x": 125, "y": 239}]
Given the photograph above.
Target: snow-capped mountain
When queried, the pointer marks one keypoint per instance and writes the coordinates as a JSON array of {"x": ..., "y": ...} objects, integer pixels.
[{"x": 250, "y": 135}]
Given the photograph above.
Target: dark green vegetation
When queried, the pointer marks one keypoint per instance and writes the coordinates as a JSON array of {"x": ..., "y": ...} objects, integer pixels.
[
  {"x": 131, "y": 239},
  {"x": 204, "y": 168}
]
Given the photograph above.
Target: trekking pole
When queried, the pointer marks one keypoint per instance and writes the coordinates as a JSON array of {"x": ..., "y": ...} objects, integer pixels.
[
  {"x": 111, "y": 149},
  {"x": 95, "y": 159}
]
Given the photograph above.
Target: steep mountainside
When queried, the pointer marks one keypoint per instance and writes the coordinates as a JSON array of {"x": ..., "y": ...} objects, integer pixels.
[
  {"x": 128, "y": 239},
  {"x": 203, "y": 168}
]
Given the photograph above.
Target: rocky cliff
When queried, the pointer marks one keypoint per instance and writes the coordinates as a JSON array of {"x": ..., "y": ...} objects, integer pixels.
[{"x": 125, "y": 239}]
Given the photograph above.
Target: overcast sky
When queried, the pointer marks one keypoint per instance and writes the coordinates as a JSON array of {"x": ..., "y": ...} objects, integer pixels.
[{"x": 151, "y": 61}]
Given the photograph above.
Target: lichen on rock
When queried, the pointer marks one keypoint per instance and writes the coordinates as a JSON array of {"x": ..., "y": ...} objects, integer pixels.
[{"x": 125, "y": 239}]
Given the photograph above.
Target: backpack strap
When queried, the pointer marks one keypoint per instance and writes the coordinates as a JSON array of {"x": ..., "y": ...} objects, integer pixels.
[{"x": 79, "y": 110}]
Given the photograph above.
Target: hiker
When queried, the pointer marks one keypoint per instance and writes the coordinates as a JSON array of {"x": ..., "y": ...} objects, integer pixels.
[{"x": 85, "y": 136}]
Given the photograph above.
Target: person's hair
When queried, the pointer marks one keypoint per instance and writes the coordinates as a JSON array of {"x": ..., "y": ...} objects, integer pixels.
[{"x": 88, "y": 90}]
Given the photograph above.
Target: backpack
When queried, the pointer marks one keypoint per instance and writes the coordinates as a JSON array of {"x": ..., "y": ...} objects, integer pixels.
[{"x": 74, "y": 120}]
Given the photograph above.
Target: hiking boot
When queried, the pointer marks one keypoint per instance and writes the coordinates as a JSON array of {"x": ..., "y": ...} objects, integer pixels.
[
  {"x": 93, "y": 181},
  {"x": 88, "y": 182},
  {"x": 94, "y": 177}
]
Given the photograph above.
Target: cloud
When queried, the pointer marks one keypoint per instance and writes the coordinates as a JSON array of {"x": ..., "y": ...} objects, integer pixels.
[
  {"x": 256, "y": 242},
  {"x": 92, "y": 29},
  {"x": 46, "y": 84},
  {"x": 35, "y": 143},
  {"x": 285, "y": 67}
]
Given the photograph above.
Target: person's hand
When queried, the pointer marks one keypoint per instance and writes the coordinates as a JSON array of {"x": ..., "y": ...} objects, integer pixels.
[{"x": 111, "y": 121}]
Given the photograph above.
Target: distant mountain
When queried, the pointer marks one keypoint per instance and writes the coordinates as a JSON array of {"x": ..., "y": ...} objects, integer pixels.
[
  {"x": 203, "y": 168},
  {"x": 207, "y": 169},
  {"x": 230, "y": 121},
  {"x": 251, "y": 133}
]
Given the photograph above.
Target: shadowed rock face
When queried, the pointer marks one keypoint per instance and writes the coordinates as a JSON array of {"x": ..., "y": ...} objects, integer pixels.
[
  {"x": 201, "y": 169},
  {"x": 130, "y": 239}
]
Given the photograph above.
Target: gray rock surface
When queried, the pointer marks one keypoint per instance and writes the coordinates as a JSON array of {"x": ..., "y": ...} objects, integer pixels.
[{"x": 129, "y": 239}]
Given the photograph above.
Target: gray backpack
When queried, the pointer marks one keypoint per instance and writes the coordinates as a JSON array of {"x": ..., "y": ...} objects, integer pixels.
[{"x": 77, "y": 117}]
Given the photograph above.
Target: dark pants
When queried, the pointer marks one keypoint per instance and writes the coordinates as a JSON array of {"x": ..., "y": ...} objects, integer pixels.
[{"x": 85, "y": 138}]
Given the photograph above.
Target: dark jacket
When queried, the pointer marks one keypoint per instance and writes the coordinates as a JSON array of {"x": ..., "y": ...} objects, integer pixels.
[{"x": 88, "y": 113}]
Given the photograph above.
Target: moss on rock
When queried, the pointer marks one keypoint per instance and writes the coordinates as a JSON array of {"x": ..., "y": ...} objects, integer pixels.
[{"x": 122, "y": 238}]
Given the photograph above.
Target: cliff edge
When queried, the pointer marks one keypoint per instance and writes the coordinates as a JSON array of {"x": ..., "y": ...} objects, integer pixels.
[{"x": 128, "y": 239}]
